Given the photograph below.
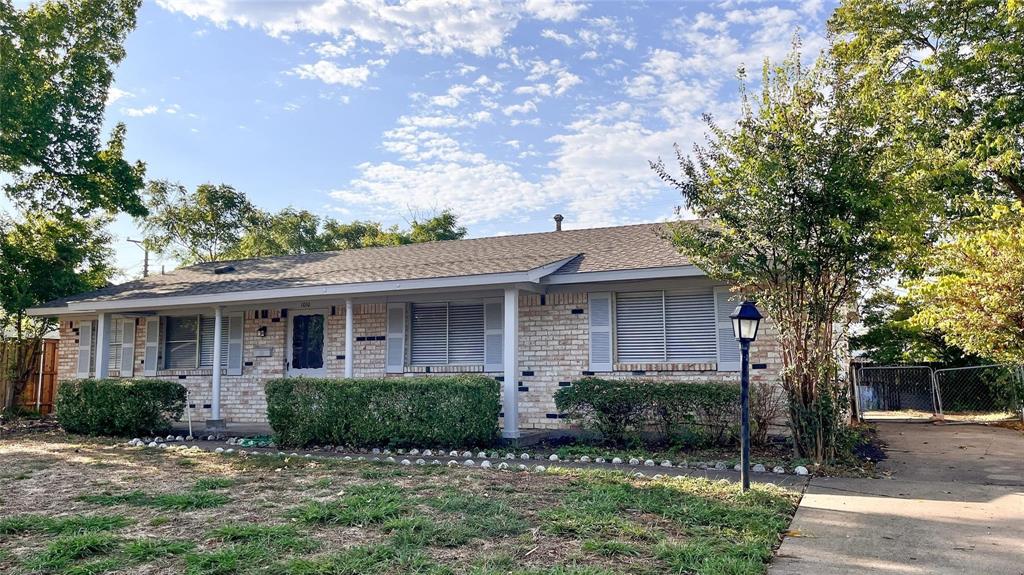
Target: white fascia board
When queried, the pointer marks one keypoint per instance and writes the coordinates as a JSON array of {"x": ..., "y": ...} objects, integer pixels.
[
  {"x": 624, "y": 275},
  {"x": 255, "y": 296}
]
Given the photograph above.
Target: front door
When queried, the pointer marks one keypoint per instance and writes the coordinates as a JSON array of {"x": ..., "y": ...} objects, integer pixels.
[{"x": 306, "y": 343}]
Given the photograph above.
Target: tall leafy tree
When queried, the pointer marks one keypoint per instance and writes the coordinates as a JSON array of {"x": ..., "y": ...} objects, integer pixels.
[
  {"x": 974, "y": 292},
  {"x": 43, "y": 258},
  {"x": 801, "y": 210},
  {"x": 58, "y": 60},
  {"x": 951, "y": 76},
  {"x": 890, "y": 335},
  {"x": 200, "y": 226}
]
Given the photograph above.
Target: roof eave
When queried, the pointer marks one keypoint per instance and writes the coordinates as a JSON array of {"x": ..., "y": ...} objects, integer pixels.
[{"x": 531, "y": 276}]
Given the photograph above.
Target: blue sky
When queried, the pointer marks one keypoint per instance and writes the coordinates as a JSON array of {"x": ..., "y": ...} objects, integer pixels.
[{"x": 505, "y": 112}]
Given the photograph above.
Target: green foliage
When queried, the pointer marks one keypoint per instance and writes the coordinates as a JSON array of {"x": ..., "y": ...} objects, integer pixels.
[
  {"x": 362, "y": 505},
  {"x": 212, "y": 483},
  {"x": 199, "y": 226},
  {"x": 41, "y": 259},
  {"x": 58, "y": 61},
  {"x": 292, "y": 231},
  {"x": 217, "y": 222},
  {"x": 69, "y": 525},
  {"x": 973, "y": 293},
  {"x": 948, "y": 74},
  {"x": 143, "y": 550},
  {"x": 800, "y": 207},
  {"x": 622, "y": 409},
  {"x": 185, "y": 501},
  {"x": 890, "y": 337},
  {"x": 412, "y": 411},
  {"x": 121, "y": 407},
  {"x": 63, "y": 551}
]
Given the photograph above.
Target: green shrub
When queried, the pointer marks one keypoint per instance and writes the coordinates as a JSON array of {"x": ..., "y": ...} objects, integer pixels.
[
  {"x": 399, "y": 412},
  {"x": 119, "y": 406},
  {"x": 621, "y": 410}
]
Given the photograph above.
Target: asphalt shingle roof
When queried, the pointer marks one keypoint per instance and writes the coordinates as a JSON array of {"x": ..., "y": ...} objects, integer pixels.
[{"x": 596, "y": 249}]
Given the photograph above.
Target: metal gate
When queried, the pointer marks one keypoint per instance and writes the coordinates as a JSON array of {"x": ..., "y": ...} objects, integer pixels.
[
  {"x": 977, "y": 394},
  {"x": 905, "y": 392}
]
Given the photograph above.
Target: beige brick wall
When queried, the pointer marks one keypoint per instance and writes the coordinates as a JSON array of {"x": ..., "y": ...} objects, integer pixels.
[{"x": 553, "y": 351}]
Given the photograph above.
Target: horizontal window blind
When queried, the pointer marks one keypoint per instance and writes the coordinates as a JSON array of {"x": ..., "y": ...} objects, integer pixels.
[
  {"x": 429, "y": 334},
  {"x": 466, "y": 334},
  {"x": 640, "y": 327},
  {"x": 690, "y": 327},
  {"x": 206, "y": 327},
  {"x": 447, "y": 334},
  {"x": 665, "y": 326},
  {"x": 182, "y": 342},
  {"x": 114, "y": 349}
]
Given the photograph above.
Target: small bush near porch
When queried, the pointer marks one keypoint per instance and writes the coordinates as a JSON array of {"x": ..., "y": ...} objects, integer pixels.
[
  {"x": 124, "y": 407},
  {"x": 156, "y": 511},
  {"x": 401, "y": 412}
]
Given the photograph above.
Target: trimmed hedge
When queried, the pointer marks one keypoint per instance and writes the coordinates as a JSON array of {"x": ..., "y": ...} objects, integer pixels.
[
  {"x": 399, "y": 412},
  {"x": 621, "y": 410},
  {"x": 119, "y": 406}
]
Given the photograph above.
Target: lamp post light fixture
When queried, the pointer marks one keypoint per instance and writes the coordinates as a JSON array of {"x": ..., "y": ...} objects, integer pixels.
[{"x": 745, "y": 321}]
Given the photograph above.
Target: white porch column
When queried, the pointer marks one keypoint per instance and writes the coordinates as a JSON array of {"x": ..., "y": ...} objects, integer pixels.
[
  {"x": 511, "y": 364},
  {"x": 218, "y": 322},
  {"x": 103, "y": 327},
  {"x": 349, "y": 329}
]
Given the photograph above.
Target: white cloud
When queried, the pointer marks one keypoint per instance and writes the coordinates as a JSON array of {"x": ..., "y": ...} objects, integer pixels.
[
  {"x": 335, "y": 49},
  {"x": 526, "y": 107},
  {"x": 428, "y": 26},
  {"x": 556, "y": 10},
  {"x": 330, "y": 73},
  {"x": 172, "y": 109},
  {"x": 558, "y": 37},
  {"x": 115, "y": 94},
  {"x": 564, "y": 79},
  {"x": 139, "y": 112}
]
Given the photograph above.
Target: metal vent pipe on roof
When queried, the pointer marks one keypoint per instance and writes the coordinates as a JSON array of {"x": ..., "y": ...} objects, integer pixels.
[{"x": 558, "y": 222}]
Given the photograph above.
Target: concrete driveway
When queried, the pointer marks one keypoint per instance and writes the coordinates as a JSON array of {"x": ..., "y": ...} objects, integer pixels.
[{"x": 954, "y": 505}]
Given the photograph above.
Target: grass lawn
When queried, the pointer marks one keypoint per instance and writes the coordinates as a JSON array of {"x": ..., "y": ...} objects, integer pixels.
[{"x": 76, "y": 506}]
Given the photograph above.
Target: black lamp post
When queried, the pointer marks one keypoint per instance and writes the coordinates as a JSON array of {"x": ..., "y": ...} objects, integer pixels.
[{"x": 745, "y": 321}]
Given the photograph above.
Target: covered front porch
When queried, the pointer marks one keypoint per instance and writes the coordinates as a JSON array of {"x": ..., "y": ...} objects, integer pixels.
[{"x": 395, "y": 333}]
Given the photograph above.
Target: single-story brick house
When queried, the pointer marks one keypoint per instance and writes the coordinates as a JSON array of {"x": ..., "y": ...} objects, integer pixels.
[{"x": 535, "y": 311}]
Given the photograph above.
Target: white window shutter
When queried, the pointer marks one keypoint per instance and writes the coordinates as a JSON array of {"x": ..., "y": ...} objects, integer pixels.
[
  {"x": 728, "y": 347},
  {"x": 395, "y": 349},
  {"x": 600, "y": 331},
  {"x": 494, "y": 325},
  {"x": 152, "y": 357},
  {"x": 234, "y": 344},
  {"x": 127, "y": 347},
  {"x": 84, "y": 349}
]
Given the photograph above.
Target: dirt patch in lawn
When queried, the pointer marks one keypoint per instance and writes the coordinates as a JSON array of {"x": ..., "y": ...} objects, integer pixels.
[{"x": 75, "y": 505}]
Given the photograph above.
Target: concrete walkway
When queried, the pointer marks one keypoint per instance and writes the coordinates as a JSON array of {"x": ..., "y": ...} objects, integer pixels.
[{"x": 954, "y": 504}]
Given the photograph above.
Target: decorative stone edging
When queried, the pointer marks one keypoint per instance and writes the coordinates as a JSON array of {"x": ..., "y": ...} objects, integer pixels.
[{"x": 374, "y": 455}]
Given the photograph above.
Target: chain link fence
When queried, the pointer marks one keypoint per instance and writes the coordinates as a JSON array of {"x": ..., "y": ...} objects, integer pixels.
[
  {"x": 981, "y": 393},
  {"x": 978, "y": 394}
]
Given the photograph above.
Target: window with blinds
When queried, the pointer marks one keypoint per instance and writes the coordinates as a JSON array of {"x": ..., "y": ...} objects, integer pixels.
[
  {"x": 447, "y": 334},
  {"x": 114, "y": 348},
  {"x": 665, "y": 326},
  {"x": 188, "y": 342}
]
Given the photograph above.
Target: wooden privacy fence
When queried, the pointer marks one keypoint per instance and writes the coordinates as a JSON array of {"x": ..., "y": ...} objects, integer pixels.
[{"x": 39, "y": 384}]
